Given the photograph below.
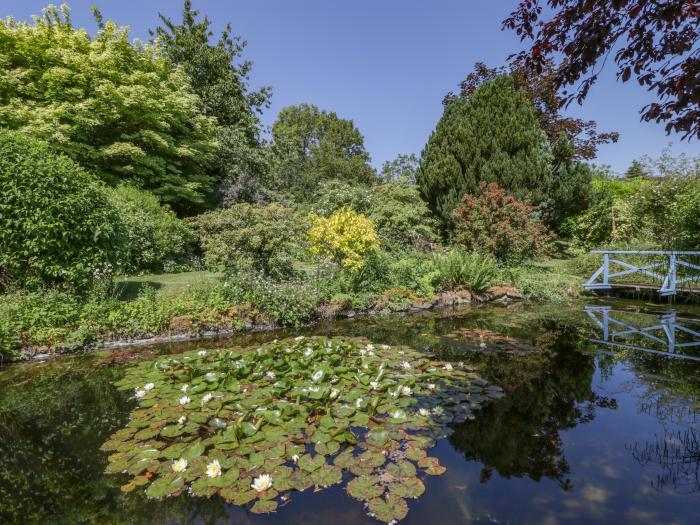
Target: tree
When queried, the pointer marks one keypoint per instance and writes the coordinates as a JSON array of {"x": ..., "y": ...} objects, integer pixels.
[
  {"x": 220, "y": 78},
  {"x": 311, "y": 145},
  {"x": 636, "y": 170},
  {"x": 57, "y": 227},
  {"x": 117, "y": 108},
  {"x": 403, "y": 167},
  {"x": 544, "y": 96},
  {"x": 656, "y": 41},
  {"x": 492, "y": 136}
]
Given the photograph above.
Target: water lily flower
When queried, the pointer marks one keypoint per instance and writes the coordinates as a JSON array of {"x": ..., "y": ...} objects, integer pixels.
[
  {"x": 447, "y": 367},
  {"x": 374, "y": 385},
  {"x": 184, "y": 400},
  {"x": 270, "y": 374},
  {"x": 334, "y": 393},
  {"x": 182, "y": 420},
  {"x": 262, "y": 483},
  {"x": 207, "y": 397},
  {"x": 385, "y": 347},
  {"x": 180, "y": 465},
  {"x": 214, "y": 469},
  {"x": 358, "y": 402},
  {"x": 369, "y": 348},
  {"x": 308, "y": 352},
  {"x": 184, "y": 388},
  {"x": 149, "y": 386},
  {"x": 295, "y": 458},
  {"x": 399, "y": 414},
  {"x": 431, "y": 386},
  {"x": 202, "y": 353},
  {"x": 211, "y": 375},
  {"x": 406, "y": 391},
  {"x": 438, "y": 411},
  {"x": 139, "y": 393},
  {"x": 401, "y": 352},
  {"x": 363, "y": 352},
  {"x": 424, "y": 412},
  {"x": 299, "y": 338},
  {"x": 318, "y": 375},
  {"x": 406, "y": 365}
]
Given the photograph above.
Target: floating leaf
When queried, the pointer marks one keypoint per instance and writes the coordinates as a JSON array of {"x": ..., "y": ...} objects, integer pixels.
[
  {"x": 165, "y": 486},
  {"x": 389, "y": 509},
  {"x": 264, "y": 507},
  {"x": 408, "y": 488},
  {"x": 365, "y": 488},
  {"x": 327, "y": 475},
  {"x": 310, "y": 464}
]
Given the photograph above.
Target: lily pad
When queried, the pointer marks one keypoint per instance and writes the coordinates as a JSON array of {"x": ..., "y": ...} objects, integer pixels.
[
  {"x": 365, "y": 488},
  {"x": 408, "y": 488},
  {"x": 389, "y": 509}
]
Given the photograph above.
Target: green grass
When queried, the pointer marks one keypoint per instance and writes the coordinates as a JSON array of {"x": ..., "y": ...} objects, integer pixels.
[{"x": 164, "y": 283}]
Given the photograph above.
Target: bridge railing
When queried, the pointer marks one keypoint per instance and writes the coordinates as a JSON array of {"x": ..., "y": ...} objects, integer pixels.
[{"x": 669, "y": 271}]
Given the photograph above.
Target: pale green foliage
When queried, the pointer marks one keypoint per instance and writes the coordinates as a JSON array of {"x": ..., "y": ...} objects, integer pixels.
[
  {"x": 156, "y": 239},
  {"x": 458, "y": 268},
  {"x": 117, "y": 108}
]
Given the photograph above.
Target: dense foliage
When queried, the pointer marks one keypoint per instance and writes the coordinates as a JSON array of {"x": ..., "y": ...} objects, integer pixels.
[
  {"x": 497, "y": 223},
  {"x": 155, "y": 239},
  {"x": 117, "y": 108},
  {"x": 250, "y": 236},
  {"x": 57, "y": 227},
  {"x": 492, "y": 136}
]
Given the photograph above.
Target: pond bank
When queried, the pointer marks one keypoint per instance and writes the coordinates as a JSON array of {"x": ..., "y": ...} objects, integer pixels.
[{"x": 182, "y": 330}]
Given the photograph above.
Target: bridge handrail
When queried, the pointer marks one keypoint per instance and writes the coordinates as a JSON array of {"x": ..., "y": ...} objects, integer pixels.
[{"x": 645, "y": 252}]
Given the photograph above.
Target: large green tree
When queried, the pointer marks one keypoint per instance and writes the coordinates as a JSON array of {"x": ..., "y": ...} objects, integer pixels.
[
  {"x": 116, "y": 107},
  {"x": 491, "y": 136},
  {"x": 311, "y": 145},
  {"x": 220, "y": 77}
]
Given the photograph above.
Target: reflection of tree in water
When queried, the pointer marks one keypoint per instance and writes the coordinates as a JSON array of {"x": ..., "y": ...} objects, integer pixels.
[
  {"x": 678, "y": 456},
  {"x": 547, "y": 391},
  {"x": 51, "y": 468}
]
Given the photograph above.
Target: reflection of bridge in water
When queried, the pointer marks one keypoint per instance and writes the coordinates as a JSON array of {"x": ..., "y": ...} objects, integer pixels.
[{"x": 666, "y": 335}]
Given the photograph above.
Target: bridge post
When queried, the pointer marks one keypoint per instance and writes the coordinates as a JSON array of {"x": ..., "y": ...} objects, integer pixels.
[
  {"x": 669, "y": 285},
  {"x": 606, "y": 268}
]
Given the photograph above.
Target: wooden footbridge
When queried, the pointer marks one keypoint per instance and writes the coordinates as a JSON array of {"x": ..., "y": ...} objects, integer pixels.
[{"x": 669, "y": 272}]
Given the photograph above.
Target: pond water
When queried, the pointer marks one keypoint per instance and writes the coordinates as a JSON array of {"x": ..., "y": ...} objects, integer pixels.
[{"x": 599, "y": 424}]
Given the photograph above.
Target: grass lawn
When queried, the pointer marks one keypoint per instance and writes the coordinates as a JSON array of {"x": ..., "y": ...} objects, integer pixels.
[{"x": 164, "y": 283}]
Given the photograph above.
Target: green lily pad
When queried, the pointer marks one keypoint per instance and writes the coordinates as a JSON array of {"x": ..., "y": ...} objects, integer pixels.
[
  {"x": 165, "y": 486},
  {"x": 327, "y": 475},
  {"x": 389, "y": 509},
  {"x": 408, "y": 488},
  {"x": 264, "y": 507},
  {"x": 310, "y": 464},
  {"x": 365, "y": 488}
]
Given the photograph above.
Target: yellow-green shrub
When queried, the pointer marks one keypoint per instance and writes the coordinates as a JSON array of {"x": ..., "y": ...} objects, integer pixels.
[{"x": 345, "y": 237}]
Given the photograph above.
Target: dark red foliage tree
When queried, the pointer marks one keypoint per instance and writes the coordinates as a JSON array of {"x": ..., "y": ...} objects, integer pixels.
[
  {"x": 542, "y": 91},
  {"x": 657, "y": 41}
]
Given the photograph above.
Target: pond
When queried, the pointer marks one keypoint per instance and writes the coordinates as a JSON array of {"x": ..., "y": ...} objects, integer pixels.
[{"x": 598, "y": 424}]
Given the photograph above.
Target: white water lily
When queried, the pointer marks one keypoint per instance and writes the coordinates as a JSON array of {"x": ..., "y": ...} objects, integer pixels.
[
  {"x": 334, "y": 393},
  {"x": 202, "y": 353},
  {"x": 211, "y": 375},
  {"x": 406, "y": 391},
  {"x": 385, "y": 347},
  {"x": 262, "y": 483},
  {"x": 318, "y": 375},
  {"x": 431, "y": 386},
  {"x": 363, "y": 352},
  {"x": 149, "y": 386},
  {"x": 184, "y": 400},
  {"x": 369, "y": 347},
  {"x": 424, "y": 412},
  {"x": 401, "y": 352},
  {"x": 438, "y": 411},
  {"x": 182, "y": 420},
  {"x": 139, "y": 393},
  {"x": 374, "y": 385},
  {"x": 184, "y": 388},
  {"x": 295, "y": 458},
  {"x": 399, "y": 414},
  {"x": 358, "y": 402},
  {"x": 214, "y": 469},
  {"x": 180, "y": 465},
  {"x": 406, "y": 365},
  {"x": 207, "y": 397},
  {"x": 299, "y": 338},
  {"x": 308, "y": 352},
  {"x": 270, "y": 374},
  {"x": 447, "y": 367}
]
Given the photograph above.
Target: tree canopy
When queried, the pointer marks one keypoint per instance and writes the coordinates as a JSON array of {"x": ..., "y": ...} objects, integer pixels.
[
  {"x": 492, "y": 136},
  {"x": 656, "y": 41},
  {"x": 116, "y": 107}
]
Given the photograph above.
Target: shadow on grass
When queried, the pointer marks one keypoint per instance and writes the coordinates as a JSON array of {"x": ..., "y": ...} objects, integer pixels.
[{"x": 129, "y": 290}]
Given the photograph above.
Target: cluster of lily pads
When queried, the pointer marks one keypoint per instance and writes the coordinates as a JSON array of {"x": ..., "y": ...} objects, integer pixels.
[{"x": 255, "y": 425}]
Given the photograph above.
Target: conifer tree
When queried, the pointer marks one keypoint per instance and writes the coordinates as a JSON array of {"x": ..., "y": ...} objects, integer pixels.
[{"x": 491, "y": 136}]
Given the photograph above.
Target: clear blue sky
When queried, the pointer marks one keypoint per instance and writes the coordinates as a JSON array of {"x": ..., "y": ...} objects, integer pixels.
[{"x": 386, "y": 64}]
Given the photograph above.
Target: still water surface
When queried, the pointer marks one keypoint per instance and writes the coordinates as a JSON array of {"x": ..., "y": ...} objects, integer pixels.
[{"x": 592, "y": 429}]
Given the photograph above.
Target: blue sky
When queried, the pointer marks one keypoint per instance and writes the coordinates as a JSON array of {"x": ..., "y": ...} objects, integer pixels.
[{"x": 386, "y": 64}]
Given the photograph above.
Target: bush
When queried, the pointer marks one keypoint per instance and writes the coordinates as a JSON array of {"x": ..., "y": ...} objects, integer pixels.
[
  {"x": 156, "y": 240},
  {"x": 250, "y": 237},
  {"x": 458, "y": 268},
  {"x": 496, "y": 223},
  {"x": 345, "y": 238},
  {"x": 56, "y": 224}
]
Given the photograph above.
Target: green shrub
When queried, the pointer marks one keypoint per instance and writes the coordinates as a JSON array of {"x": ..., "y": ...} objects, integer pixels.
[
  {"x": 56, "y": 224},
  {"x": 250, "y": 236},
  {"x": 496, "y": 223},
  {"x": 458, "y": 268},
  {"x": 156, "y": 240}
]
